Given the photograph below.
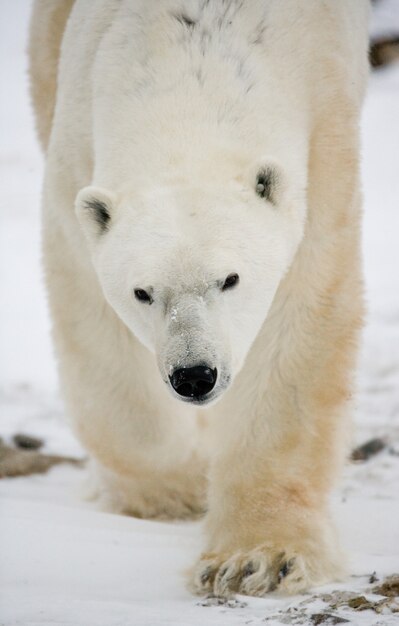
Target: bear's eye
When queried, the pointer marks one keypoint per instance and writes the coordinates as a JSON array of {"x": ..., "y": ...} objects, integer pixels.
[
  {"x": 230, "y": 282},
  {"x": 143, "y": 296}
]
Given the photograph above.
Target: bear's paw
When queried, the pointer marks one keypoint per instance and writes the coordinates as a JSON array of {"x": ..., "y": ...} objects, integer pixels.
[{"x": 257, "y": 572}]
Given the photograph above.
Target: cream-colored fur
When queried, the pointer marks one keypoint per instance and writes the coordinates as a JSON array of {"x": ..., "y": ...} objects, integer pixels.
[
  {"x": 164, "y": 113},
  {"x": 47, "y": 27}
]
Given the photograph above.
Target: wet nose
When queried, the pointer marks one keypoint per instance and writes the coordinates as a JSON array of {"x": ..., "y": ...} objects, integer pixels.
[{"x": 193, "y": 382}]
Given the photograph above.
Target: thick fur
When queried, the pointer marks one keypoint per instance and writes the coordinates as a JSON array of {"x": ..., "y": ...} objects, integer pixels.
[
  {"x": 47, "y": 27},
  {"x": 165, "y": 112}
]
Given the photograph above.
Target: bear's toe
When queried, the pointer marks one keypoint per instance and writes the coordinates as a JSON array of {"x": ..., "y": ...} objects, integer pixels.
[{"x": 253, "y": 573}]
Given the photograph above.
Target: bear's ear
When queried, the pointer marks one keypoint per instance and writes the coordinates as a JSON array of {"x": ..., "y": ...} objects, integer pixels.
[
  {"x": 267, "y": 181},
  {"x": 94, "y": 208}
]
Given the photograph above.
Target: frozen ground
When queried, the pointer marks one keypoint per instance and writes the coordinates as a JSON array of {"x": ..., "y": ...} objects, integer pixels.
[{"x": 62, "y": 561}]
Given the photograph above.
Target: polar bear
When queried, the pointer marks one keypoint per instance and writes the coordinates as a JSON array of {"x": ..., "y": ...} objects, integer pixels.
[{"x": 201, "y": 245}]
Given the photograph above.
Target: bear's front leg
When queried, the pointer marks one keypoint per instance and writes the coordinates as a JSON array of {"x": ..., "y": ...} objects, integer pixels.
[
  {"x": 268, "y": 523},
  {"x": 266, "y": 542},
  {"x": 281, "y": 434},
  {"x": 269, "y": 530}
]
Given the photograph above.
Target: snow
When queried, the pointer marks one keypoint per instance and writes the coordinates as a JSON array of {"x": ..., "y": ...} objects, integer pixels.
[
  {"x": 62, "y": 561},
  {"x": 385, "y": 22}
]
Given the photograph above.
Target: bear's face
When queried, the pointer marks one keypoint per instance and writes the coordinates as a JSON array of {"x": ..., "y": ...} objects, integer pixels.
[{"x": 192, "y": 271}]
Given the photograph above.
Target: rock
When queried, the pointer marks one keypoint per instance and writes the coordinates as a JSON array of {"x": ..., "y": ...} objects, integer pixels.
[
  {"x": 360, "y": 603},
  {"x": 327, "y": 618},
  {"x": 27, "y": 442},
  {"x": 368, "y": 449},
  {"x": 384, "y": 51}
]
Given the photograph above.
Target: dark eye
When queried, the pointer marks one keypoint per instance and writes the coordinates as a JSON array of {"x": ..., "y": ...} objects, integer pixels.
[
  {"x": 143, "y": 296},
  {"x": 231, "y": 281}
]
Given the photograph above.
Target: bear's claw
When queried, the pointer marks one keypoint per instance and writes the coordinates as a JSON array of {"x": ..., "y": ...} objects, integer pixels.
[{"x": 254, "y": 573}]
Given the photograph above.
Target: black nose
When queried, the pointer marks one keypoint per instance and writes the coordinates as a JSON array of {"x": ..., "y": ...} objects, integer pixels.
[{"x": 193, "y": 382}]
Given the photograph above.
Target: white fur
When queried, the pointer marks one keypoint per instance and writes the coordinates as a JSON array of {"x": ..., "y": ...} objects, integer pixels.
[{"x": 166, "y": 112}]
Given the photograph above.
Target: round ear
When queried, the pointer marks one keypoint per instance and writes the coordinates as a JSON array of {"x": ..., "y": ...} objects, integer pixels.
[
  {"x": 94, "y": 208},
  {"x": 268, "y": 180}
]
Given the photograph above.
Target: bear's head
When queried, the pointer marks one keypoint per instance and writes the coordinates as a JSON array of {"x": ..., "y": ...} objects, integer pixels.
[{"x": 192, "y": 269}]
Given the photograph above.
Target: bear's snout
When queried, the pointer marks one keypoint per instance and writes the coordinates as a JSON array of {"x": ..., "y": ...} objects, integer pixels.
[{"x": 194, "y": 382}]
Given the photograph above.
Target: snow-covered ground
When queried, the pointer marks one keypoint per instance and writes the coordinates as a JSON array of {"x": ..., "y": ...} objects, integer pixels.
[{"x": 64, "y": 562}]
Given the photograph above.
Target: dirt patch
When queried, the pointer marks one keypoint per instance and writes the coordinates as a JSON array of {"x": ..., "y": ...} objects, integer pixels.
[
  {"x": 24, "y": 461},
  {"x": 340, "y": 607},
  {"x": 389, "y": 588}
]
